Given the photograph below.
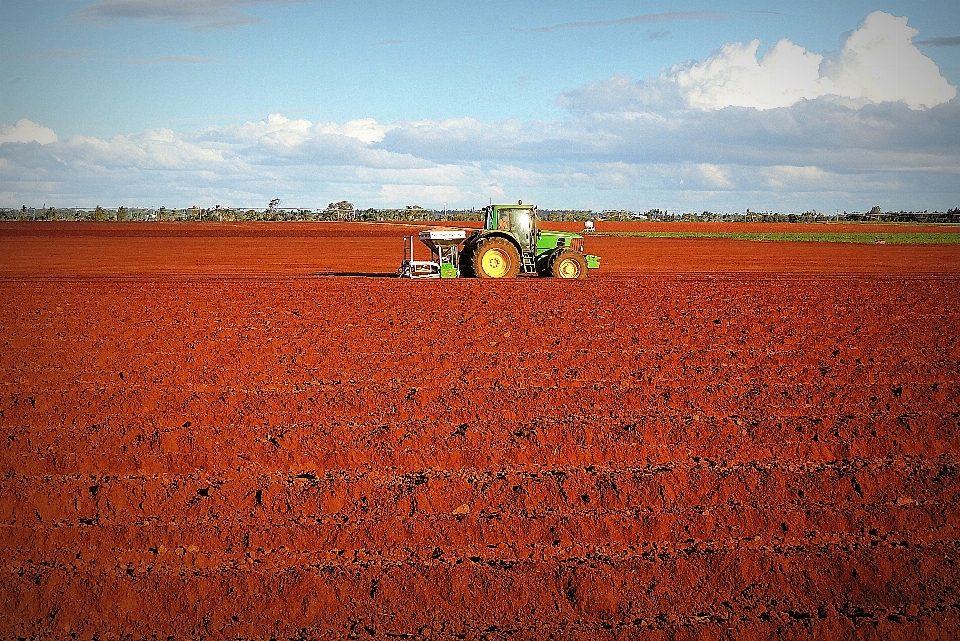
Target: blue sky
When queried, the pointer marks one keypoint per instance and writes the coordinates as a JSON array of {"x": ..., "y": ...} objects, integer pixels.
[{"x": 683, "y": 105}]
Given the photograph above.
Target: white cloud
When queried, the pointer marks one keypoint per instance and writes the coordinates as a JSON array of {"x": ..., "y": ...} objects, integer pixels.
[
  {"x": 787, "y": 177},
  {"x": 516, "y": 175},
  {"x": 282, "y": 133},
  {"x": 365, "y": 130},
  {"x": 420, "y": 194},
  {"x": 294, "y": 159},
  {"x": 733, "y": 77},
  {"x": 159, "y": 149},
  {"x": 816, "y": 153},
  {"x": 279, "y": 130},
  {"x": 879, "y": 62},
  {"x": 876, "y": 63},
  {"x": 27, "y": 131},
  {"x": 715, "y": 176}
]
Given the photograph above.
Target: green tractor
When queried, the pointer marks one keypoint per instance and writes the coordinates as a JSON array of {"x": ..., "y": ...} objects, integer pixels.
[{"x": 510, "y": 243}]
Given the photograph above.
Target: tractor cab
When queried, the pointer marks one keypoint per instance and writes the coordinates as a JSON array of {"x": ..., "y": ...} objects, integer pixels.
[
  {"x": 516, "y": 221},
  {"x": 519, "y": 220}
]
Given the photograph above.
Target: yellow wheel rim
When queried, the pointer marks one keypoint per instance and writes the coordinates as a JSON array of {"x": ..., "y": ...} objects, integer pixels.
[
  {"x": 495, "y": 263},
  {"x": 569, "y": 268}
]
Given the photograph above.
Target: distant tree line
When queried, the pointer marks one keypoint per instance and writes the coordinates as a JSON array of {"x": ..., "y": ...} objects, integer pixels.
[{"x": 346, "y": 212}]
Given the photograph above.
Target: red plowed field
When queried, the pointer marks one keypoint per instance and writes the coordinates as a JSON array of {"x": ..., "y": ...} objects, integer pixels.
[
  {"x": 260, "y": 250},
  {"x": 753, "y": 447}
]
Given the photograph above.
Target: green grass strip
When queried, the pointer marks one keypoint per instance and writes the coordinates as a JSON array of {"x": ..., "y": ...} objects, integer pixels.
[{"x": 895, "y": 238}]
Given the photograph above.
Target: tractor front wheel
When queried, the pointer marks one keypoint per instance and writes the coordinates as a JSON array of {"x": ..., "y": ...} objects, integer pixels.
[
  {"x": 568, "y": 264},
  {"x": 495, "y": 258}
]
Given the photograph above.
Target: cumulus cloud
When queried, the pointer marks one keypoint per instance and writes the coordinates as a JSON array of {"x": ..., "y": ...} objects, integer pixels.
[
  {"x": 733, "y": 77},
  {"x": 27, "y": 131},
  {"x": 715, "y": 176},
  {"x": 784, "y": 177},
  {"x": 415, "y": 194},
  {"x": 878, "y": 62},
  {"x": 875, "y": 63},
  {"x": 283, "y": 132},
  {"x": 301, "y": 161}
]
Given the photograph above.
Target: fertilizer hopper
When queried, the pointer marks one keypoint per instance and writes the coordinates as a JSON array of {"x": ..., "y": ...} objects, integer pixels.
[{"x": 444, "y": 245}]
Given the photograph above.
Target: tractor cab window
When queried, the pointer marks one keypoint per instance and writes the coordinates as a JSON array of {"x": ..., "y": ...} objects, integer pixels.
[
  {"x": 523, "y": 221},
  {"x": 503, "y": 220}
]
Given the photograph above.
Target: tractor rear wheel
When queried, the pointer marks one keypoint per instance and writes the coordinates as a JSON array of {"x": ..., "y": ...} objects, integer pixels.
[
  {"x": 495, "y": 258},
  {"x": 568, "y": 264}
]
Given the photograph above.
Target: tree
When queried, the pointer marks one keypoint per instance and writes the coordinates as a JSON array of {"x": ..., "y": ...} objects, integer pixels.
[{"x": 342, "y": 210}]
